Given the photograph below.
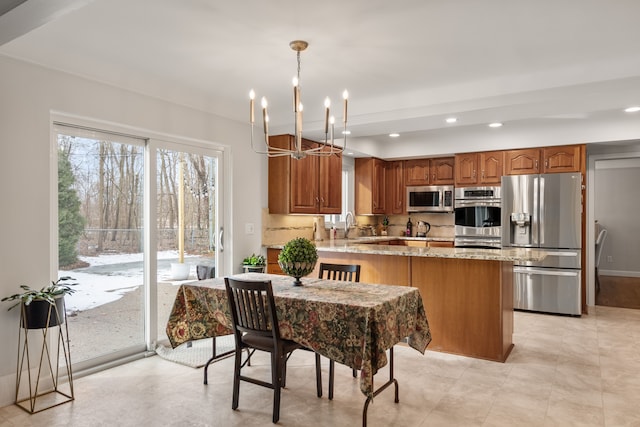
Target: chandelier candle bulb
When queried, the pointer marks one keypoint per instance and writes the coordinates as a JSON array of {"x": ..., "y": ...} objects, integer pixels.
[
  {"x": 296, "y": 95},
  {"x": 327, "y": 104},
  {"x": 265, "y": 117},
  {"x": 252, "y": 96},
  {"x": 345, "y": 96}
]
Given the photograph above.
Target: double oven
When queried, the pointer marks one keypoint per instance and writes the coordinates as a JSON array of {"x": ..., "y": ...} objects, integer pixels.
[{"x": 477, "y": 217}]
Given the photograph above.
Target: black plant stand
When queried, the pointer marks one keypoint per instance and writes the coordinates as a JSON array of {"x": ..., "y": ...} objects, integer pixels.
[{"x": 50, "y": 339}]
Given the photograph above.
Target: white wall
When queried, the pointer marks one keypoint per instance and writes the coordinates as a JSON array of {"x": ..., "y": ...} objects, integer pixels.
[{"x": 28, "y": 96}]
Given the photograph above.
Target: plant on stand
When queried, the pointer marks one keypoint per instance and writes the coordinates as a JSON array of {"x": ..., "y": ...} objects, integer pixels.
[
  {"x": 38, "y": 305},
  {"x": 298, "y": 258},
  {"x": 254, "y": 264}
]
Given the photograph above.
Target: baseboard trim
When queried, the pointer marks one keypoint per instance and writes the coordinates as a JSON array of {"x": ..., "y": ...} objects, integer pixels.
[{"x": 619, "y": 273}]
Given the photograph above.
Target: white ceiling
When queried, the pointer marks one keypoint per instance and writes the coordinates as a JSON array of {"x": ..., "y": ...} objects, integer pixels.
[{"x": 553, "y": 71}]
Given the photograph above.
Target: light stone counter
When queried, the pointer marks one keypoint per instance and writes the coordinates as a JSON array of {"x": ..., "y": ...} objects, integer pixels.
[{"x": 376, "y": 246}]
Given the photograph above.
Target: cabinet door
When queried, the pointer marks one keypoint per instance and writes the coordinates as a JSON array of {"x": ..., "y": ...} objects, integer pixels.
[
  {"x": 330, "y": 182},
  {"x": 442, "y": 170},
  {"x": 562, "y": 159},
  {"x": 520, "y": 162},
  {"x": 416, "y": 172},
  {"x": 466, "y": 166},
  {"x": 491, "y": 164},
  {"x": 379, "y": 193},
  {"x": 304, "y": 183},
  {"x": 395, "y": 187}
]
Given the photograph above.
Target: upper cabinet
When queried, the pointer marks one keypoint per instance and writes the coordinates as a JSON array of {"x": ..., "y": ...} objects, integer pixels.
[
  {"x": 478, "y": 168},
  {"x": 569, "y": 158},
  {"x": 312, "y": 185},
  {"x": 429, "y": 171},
  {"x": 370, "y": 191},
  {"x": 395, "y": 187}
]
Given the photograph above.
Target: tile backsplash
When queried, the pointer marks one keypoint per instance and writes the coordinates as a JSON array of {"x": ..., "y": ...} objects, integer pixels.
[{"x": 279, "y": 229}]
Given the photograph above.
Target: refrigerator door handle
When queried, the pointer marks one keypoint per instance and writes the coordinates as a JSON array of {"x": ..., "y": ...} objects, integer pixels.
[
  {"x": 536, "y": 214},
  {"x": 541, "y": 212},
  {"x": 546, "y": 271}
]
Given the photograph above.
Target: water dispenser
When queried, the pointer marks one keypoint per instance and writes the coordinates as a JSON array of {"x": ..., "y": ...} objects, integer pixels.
[{"x": 520, "y": 228}]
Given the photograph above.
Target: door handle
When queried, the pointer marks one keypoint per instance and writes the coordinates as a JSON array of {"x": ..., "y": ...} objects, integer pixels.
[{"x": 221, "y": 239}]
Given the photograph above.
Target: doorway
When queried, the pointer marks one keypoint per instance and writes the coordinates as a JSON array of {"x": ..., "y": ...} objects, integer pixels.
[{"x": 615, "y": 202}]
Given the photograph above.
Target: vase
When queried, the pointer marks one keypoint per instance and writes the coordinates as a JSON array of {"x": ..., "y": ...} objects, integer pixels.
[
  {"x": 180, "y": 271},
  {"x": 297, "y": 270}
]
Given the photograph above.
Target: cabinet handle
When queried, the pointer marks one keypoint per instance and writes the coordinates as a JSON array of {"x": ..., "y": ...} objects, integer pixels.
[
  {"x": 482, "y": 174},
  {"x": 536, "y": 165},
  {"x": 474, "y": 173},
  {"x": 546, "y": 163}
]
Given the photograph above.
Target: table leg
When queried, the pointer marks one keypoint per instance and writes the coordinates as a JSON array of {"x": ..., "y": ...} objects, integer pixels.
[{"x": 392, "y": 380}]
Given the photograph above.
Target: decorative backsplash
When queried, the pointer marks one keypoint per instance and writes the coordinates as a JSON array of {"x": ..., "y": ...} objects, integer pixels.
[{"x": 278, "y": 229}]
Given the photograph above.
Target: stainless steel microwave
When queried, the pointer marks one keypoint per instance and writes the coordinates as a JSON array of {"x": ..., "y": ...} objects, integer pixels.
[{"x": 431, "y": 198}]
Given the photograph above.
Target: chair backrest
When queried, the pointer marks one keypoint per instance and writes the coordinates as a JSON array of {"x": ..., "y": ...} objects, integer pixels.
[
  {"x": 346, "y": 272},
  {"x": 253, "y": 308},
  {"x": 599, "y": 244}
]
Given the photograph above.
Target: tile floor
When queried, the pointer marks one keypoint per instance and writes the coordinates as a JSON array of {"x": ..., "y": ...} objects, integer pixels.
[{"x": 563, "y": 371}]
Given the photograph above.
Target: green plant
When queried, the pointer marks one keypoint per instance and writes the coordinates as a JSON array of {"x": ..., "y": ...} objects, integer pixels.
[
  {"x": 254, "y": 260},
  {"x": 298, "y": 250},
  {"x": 298, "y": 258},
  {"x": 385, "y": 221},
  {"x": 47, "y": 293}
]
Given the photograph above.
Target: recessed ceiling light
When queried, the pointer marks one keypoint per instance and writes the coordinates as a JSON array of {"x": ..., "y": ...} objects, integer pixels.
[
  {"x": 394, "y": 135},
  {"x": 495, "y": 125},
  {"x": 350, "y": 153},
  {"x": 632, "y": 109},
  {"x": 451, "y": 120},
  {"x": 346, "y": 132}
]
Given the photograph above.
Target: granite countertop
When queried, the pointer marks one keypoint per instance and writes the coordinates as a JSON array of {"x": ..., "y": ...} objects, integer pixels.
[{"x": 359, "y": 245}]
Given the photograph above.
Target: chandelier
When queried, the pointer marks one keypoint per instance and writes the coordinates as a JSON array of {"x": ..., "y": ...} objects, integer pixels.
[{"x": 327, "y": 148}]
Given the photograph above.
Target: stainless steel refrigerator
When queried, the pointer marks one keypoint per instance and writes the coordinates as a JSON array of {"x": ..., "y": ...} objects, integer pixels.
[{"x": 545, "y": 211}]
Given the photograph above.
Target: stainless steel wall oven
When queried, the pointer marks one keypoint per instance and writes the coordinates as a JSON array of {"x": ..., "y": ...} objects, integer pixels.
[{"x": 477, "y": 217}]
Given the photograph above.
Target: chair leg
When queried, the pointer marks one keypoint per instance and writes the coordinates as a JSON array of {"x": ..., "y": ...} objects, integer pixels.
[
  {"x": 236, "y": 379},
  {"x": 355, "y": 373},
  {"x": 318, "y": 376},
  {"x": 277, "y": 380}
]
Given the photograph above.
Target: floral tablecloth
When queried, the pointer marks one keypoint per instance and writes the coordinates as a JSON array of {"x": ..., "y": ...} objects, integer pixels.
[{"x": 351, "y": 323}]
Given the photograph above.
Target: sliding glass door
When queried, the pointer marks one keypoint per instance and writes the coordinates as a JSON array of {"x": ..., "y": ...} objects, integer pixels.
[{"x": 136, "y": 218}]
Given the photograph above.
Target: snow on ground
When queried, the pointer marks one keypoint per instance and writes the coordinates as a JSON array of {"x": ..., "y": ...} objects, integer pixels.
[{"x": 111, "y": 276}]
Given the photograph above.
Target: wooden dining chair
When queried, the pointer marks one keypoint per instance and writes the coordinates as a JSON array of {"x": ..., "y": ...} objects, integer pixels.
[
  {"x": 342, "y": 272},
  {"x": 255, "y": 327}
]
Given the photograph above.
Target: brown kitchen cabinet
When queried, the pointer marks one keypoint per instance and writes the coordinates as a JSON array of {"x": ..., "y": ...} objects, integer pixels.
[
  {"x": 436, "y": 171},
  {"x": 479, "y": 168},
  {"x": 557, "y": 159},
  {"x": 312, "y": 185},
  {"x": 395, "y": 188},
  {"x": 567, "y": 158},
  {"x": 272, "y": 261},
  {"x": 370, "y": 183}
]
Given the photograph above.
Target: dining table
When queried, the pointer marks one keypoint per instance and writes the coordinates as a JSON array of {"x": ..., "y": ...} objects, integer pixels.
[{"x": 352, "y": 323}]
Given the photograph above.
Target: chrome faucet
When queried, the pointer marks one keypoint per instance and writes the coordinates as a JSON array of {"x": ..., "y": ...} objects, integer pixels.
[{"x": 346, "y": 223}]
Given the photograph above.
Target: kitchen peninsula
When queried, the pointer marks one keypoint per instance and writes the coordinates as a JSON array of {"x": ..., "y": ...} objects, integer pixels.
[{"x": 467, "y": 292}]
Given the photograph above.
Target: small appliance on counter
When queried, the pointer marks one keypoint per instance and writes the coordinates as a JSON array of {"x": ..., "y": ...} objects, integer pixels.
[
  {"x": 422, "y": 229},
  {"x": 318, "y": 228}
]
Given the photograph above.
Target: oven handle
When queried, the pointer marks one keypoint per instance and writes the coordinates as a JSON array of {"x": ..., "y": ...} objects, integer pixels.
[
  {"x": 472, "y": 203},
  {"x": 545, "y": 271}
]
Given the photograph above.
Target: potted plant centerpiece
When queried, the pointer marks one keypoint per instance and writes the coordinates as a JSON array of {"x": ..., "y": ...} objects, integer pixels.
[
  {"x": 45, "y": 307},
  {"x": 254, "y": 264},
  {"x": 298, "y": 258}
]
